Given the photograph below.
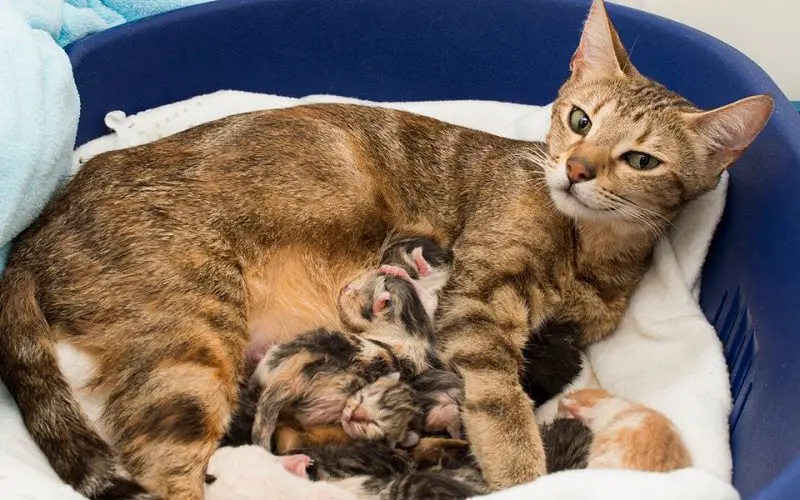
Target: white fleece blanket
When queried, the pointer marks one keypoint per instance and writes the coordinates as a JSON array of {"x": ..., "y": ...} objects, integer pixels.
[{"x": 665, "y": 354}]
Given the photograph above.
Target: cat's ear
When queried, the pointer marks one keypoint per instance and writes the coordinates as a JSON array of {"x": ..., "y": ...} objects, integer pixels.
[
  {"x": 381, "y": 302},
  {"x": 727, "y": 131},
  {"x": 600, "y": 52}
]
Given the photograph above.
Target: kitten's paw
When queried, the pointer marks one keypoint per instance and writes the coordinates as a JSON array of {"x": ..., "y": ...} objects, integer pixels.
[
  {"x": 444, "y": 417},
  {"x": 397, "y": 272},
  {"x": 410, "y": 440},
  {"x": 297, "y": 464}
]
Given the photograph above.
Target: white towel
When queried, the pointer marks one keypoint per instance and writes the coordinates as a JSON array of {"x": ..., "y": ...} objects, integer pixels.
[{"x": 665, "y": 354}]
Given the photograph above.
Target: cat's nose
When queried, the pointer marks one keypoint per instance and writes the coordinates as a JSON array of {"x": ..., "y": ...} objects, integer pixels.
[
  {"x": 580, "y": 170},
  {"x": 359, "y": 415}
]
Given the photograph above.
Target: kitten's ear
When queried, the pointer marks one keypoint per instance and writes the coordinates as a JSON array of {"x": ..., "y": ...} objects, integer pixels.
[
  {"x": 381, "y": 302},
  {"x": 727, "y": 131},
  {"x": 600, "y": 52}
]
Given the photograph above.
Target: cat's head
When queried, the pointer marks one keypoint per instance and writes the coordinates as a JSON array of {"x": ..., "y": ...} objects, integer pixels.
[{"x": 626, "y": 150}]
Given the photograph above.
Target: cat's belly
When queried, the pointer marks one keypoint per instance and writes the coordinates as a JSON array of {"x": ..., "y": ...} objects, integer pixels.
[{"x": 295, "y": 289}]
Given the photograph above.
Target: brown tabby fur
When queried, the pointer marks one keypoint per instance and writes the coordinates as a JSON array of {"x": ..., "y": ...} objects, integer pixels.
[{"x": 159, "y": 261}]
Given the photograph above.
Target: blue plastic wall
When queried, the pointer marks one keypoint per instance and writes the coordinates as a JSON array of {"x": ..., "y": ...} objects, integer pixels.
[{"x": 510, "y": 50}]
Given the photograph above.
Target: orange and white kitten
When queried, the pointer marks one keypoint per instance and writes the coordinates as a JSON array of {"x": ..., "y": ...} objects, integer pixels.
[{"x": 626, "y": 435}]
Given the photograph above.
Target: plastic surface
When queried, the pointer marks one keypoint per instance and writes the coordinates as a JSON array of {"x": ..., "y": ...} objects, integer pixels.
[{"x": 510, "y": 50}]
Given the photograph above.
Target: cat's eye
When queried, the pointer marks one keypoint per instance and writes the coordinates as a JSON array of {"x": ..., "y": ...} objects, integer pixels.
[
  {"x": 641, "y": 161},
  {"x": 579, "y": 121}
]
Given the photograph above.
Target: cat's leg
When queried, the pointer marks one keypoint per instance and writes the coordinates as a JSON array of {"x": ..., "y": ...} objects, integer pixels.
[
  {"x": 482, "y": 326},
  {"x": 169, "y": 422}
]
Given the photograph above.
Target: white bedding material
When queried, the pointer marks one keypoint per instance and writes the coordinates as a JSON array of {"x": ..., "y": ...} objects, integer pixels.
[{"x": 665, "y": 354}]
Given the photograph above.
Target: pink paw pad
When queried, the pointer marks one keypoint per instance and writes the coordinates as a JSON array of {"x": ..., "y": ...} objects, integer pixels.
[
  {"x": 397, "y": 272},
  {"x": 296, "y": 464}
]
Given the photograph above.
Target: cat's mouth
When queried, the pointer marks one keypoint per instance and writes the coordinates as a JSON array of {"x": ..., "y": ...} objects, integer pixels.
[
  {"x": 576, "y": 200},
  {"x": 573, "y": 193}
]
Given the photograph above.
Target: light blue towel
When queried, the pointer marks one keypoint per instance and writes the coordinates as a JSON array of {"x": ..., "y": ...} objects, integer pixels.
[
  {"x": 38, "y": 99},
  {"x": 70, "y": 20},
  {"x": 38, "y": 120}
]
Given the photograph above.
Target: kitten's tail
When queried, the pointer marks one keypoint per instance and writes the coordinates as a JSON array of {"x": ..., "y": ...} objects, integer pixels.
[{"x": 30, "y": 371}]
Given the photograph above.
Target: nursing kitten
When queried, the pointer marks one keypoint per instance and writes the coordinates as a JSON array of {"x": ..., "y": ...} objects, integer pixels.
[
  {"x": 162, "y": 263},
  {"x": 426, "y": 265},
  {"x": 377, "y": 470},
  {"x": 383, "y": 410},
  {"x": 626, "y": 435},
  {"x": 553, "y": 359}
]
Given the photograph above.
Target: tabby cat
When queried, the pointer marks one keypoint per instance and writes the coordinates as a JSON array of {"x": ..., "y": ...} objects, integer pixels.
[{"x": 158, "y": 265}]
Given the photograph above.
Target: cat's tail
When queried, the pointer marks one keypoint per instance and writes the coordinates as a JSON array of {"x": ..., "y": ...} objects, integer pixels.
[{"x": 30, "y": 371}]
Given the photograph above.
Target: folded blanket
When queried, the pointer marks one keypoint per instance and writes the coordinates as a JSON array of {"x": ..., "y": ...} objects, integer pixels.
[{"x": 665, "y": 354}]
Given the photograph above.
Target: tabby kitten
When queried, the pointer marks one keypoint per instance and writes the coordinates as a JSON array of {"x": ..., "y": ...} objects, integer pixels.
[{"x": 160, "y": 264}]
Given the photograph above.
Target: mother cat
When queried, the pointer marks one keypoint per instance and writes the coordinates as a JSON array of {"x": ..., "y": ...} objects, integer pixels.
[{"x": 147, "y": 278}]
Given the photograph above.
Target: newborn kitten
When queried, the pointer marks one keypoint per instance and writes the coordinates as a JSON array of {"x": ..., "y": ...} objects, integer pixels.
[
  {"x": 552, "y": 360},
  {"x": 626, "y": 435},
  {"x": 376, "y": 470},
  {"x": 320, "y": 369},
  {"x": 425, "y": 263},
  {"x": 382, "y": 410}
]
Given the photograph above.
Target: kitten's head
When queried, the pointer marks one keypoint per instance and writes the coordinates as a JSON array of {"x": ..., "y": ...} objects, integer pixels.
[
  {"x": 628, "y": 151},
  {"x": 425, "y": 262},
  {"x": 594, "y": 407},
  {"x": 384, "y": 305},
  {"x": 381, "y": 410}
]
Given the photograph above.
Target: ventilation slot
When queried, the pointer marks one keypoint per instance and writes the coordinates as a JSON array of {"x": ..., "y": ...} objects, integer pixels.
[{"x": 733, "y": 323}]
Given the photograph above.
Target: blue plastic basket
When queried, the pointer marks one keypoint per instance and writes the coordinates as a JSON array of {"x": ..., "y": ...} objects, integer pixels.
[{"x": 511, "y": 50}]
